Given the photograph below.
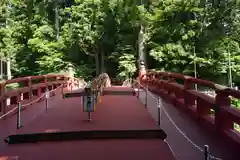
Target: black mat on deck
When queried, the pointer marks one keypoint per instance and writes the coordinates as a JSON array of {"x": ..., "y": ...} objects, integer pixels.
[
  {"x": 105, "y": 92},
  {"x": 109, "y": 92},
  {"x": 86, "y": 135}
]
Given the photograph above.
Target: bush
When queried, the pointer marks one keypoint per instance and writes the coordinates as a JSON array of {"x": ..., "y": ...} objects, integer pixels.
[{"x": 235, "y": 102}]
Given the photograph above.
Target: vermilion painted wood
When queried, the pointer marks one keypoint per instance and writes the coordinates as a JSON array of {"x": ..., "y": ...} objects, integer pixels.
[
  {"x": 183, "y": 96},
  {"x": 31, "y": 87},
  {"x": 198, "y": 105},
  {"x": 114, "y": 113}
]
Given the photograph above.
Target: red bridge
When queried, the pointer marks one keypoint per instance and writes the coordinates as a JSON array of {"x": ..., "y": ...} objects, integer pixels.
[{"x": 135, "y": 126}]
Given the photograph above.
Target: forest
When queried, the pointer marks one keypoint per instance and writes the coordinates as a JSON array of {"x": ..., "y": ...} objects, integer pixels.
[{"x": 94, "y": 36}]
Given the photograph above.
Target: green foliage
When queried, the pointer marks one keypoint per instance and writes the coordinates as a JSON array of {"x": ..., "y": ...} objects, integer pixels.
[
  {"x": 126, "y": 66},
  {"x": 12, "y": 86},
  {"x": 102, "y": 36},
  {"x": 235, "y": 102},
  {"x": 178, "y": 27}
]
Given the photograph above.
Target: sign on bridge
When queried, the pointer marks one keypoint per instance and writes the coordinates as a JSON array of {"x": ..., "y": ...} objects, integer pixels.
[{"x": 89, "y": 101}]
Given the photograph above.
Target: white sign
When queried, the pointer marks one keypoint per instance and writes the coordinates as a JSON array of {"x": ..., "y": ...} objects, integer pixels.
[{"x": 88, "y": 104}]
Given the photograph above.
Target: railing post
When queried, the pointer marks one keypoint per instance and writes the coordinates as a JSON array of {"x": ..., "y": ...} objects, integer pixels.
[
  {"x": 222, "y": 100},
  {"x": 138, "y": 89},
  {"x": 99, "y": 95},
  {"x": 131, "y": 81},
  {"x": 151, "y": 83},
  {"x": 89, "y": 116},
  {"x": 88, "y": 102},
  {"x": 159, "y": 110},
  {"x": 72, "y": 83},
  {"x": 47, "y": 97},
  {"x": 159, "y": 86},
  {"x": 146, "y": 96},
  {"x": 206, "y": 152},
  {"x": 171, "y": 80},
  {"x": 45, "y": 81},
  {"x": 30, "y": 87},
  {"x": 187, "y": 84},
  {"x": 188, "y": 99},
  {"x": 18, "y": 98},
  {"x": 62, "y": 89},
  {"x": 19, "y": 115},
  {"x": 3, "y": 101},
  {"x": 147, "y": 83},
  {"x": 4, "y": 108}
]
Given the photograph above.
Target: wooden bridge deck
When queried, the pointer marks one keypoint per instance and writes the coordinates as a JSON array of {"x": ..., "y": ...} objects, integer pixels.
[{"x": 115, "y": 113}]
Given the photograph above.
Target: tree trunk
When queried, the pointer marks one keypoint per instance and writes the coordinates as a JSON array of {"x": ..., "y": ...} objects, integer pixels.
[
  {"x": 97, "y": 63},
  {"x": 141, "y": 46},
  {"x": 56, "y": 21},
  {"x": 102, "y": 63}
]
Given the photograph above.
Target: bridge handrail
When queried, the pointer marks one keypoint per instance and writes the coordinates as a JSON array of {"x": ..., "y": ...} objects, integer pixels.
[
  {"x": 199, "y": 105},
  {"x": 31, "y": 88}
]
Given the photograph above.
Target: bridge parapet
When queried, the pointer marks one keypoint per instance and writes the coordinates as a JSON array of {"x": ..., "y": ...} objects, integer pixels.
[
  {"x": 27, "y": 88},
  {"x": 216, "y": 114}
]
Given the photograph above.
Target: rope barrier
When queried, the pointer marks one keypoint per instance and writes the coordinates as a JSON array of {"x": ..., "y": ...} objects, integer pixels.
[
  {"x": 9, "y": 112},
  {"x": 171, "y": 149},
  {"x": 211, "y": 157},
  {"x": 44, "y": 94}
]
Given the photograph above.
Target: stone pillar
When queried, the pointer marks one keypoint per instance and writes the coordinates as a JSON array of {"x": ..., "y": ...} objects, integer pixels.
[
  {"x": 71, "y": 75},
  {"x": 70, "y": 72}
]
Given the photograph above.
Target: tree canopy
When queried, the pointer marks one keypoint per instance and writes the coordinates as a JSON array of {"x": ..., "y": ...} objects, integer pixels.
[{"x": 46, "y": 36}]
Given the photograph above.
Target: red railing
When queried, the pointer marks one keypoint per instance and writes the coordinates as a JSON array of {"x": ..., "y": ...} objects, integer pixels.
[
  {"x": 30, "y": 88},
  {"x": 179, "y": 90}
]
